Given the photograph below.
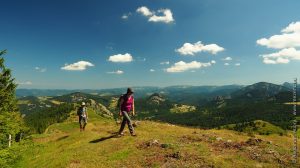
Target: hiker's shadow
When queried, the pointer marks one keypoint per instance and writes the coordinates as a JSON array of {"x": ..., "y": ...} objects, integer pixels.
[{"x": 104, "y": 138}]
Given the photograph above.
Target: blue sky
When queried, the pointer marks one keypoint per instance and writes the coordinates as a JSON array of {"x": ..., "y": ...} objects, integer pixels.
[{"x": 76, "y": 44}]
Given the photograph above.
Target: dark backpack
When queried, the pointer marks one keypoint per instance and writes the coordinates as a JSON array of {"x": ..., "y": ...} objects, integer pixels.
[
  {"x": 80, "y": 111},
  {"x": 123, "y": 96},
  {"x": 119, "y": 100}
]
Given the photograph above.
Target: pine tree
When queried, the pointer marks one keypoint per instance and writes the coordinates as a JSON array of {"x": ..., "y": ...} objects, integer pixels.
[{"x": 11, "y": 122}]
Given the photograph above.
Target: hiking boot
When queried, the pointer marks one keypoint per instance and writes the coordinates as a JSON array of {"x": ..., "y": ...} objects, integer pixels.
[
  {"x": 120, "y": 134},
  {"x": 133, "y": 134}
]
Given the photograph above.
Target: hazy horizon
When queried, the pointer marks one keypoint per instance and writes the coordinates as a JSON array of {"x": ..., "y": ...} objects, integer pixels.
[{"x": 150, "y": 86}]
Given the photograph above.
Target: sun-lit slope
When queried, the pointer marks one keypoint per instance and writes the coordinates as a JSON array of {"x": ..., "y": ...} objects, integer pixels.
[
  {"x": 256, "y": 127},
  {"x": 157, "y": 145}
]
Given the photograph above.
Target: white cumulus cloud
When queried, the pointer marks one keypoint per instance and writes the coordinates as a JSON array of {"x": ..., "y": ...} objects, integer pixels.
[
  {"x": 227, "y": 59},
  {"x": 161, "y": 15},
  {"x": 213, "y": 61},
  {"x": 77, "y": 66},
  {"x": 152, "y": 70},
  {"x": 226, "y": 64},
  {"x": 118, "y": 72},
  {"x": 290, "y": 37},
  {"x": 283, "y": 56},
  {"x": 288, "y": 42},
  {"x": 192, "y": 49},
  {"x": 237, "y": 64},
  {"x": 121, "y": 58},
  {"x": 167, "y": 16},
  {"x": 182, "y": 66},
  {"x": 292, "y": 27},
  {"x": 144, "y": 11}
]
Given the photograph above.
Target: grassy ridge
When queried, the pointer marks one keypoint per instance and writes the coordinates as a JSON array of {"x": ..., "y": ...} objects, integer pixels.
[
  {"x": 157, "y": 145},
  {"x": 256, "y": 127}
]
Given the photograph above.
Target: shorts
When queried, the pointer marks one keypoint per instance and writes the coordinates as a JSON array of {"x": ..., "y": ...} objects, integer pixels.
[{"x": 82, "y": 120}]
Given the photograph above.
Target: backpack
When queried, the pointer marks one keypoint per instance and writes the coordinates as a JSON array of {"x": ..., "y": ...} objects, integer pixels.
[
  {"x": 80, "y": 111},
  {"x": 119, "y": 101},
  {"x": 124, "y": 96}
]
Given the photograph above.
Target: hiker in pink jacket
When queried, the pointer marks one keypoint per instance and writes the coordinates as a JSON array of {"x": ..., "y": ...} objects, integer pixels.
[{"x": 126, "y": 107}]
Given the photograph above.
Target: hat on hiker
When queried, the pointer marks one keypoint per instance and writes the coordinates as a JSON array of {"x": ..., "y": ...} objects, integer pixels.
[
  {"x": 83, "y": 103},
  {"x": 129, "y": 90}
]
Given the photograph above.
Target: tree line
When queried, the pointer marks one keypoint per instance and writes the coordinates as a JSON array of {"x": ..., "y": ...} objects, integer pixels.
[{"x": 39, "y": 120}]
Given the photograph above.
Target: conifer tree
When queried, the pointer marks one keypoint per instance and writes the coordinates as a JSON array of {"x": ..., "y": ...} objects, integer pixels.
[{"x": 11, "y": 122}]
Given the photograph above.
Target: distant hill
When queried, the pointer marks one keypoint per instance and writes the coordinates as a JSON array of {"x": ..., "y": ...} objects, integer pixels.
[
  {"x": 41, "y": 92},
  {"x": 140, "y": 91},
  {"x": 178, "y": 93},
  {"x": 290, "y": 85},
  {"x": 171, "y": 92},
  {"x": 198, "y": 95},
  {"x": 29, "y": 104},
  {"x": 259, "y": 91},
  {"x": 40, "y": 112},
  {"x": 79, "y": 97},
  {"x": 260, "y": 101}
]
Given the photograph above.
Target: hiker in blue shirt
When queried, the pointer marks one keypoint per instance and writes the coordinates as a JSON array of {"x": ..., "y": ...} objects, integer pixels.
[{"x": 82, "y": 116}]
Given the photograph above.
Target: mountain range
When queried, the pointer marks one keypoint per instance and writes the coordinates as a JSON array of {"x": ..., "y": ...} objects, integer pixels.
[{"x": 203, "y": 106}]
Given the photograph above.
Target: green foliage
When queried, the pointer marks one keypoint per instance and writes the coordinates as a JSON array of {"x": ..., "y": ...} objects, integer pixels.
[
  {"x": 7, "y": 88},
  {"x": 11, "y": 121},
  {"x": 39, "y": 120},
  {"x": 9, "y": 156},
  {"x": 147, "y": 109},
  {"x": 256, "y": 127}
]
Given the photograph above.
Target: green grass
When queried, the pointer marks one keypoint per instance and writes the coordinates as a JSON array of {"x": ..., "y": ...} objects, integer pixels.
[
  {"x": 63, "y": 145},
  {"x": 262, "y": 128}
]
